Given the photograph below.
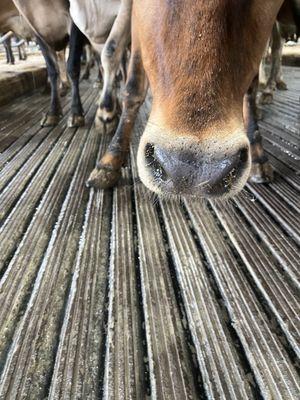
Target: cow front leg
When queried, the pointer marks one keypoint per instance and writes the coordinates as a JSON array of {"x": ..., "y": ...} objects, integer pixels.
[
  {"x": 261, "y": 170},
  {"x": 52, "y": 117},
  {"x": 108, "y": 170},
  {"x": 111, "y": 57},
  {"x": 77, "y": 40}
]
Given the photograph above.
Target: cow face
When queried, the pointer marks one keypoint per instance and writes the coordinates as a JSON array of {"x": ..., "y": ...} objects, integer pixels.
[{"x": 200, "y": 58}]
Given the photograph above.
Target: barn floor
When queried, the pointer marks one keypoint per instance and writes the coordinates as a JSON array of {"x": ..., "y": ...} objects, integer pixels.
[{"x": 117, "y": 295}]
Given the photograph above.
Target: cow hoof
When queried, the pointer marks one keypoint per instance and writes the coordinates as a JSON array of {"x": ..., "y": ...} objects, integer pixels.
[
  {"x": 261, "y": 173},
  {"x": 75, "y": 121},
  {"x": 280, "y": 85},
  {"x": 102, "y": 178},
  {"x": 266, "y": 98},
  {"x": 106, "y": 128},
  {"x": 50, "y": 120},
  {"x": 105, "y": 115}
]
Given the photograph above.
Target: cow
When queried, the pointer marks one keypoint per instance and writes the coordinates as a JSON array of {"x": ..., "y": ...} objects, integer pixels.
[
  {"x": 52, "y": 38},
  {"x": 7, "y": 43},
  {"x": 105, "y": 23},
  {"x": 54, "y": 22},
  {"x": 11, "y": 20},
  {"x": 201, "y": 59}
]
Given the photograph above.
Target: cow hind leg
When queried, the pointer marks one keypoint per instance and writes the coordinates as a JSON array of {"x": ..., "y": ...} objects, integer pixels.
[
  {"x": 77, "y": 40},
  {"x": 64, "y": 85},
  {"x": 108, "y": 170},
  {"x": 52, "y": 117},
  {"x": 275, "y": 79},
  {"x": 99, "y": 80},
  {"x": 89, "y": 63},
  {"x": 261, "y": 170}
]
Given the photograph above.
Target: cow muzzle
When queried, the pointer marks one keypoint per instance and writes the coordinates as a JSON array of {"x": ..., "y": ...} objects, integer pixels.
[{"x": 188, "y": 167}]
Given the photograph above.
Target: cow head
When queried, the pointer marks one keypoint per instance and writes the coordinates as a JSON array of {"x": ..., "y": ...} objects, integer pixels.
[{"x": 200, "y": 58}]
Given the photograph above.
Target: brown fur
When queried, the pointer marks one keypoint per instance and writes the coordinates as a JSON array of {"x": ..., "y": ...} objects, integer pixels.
[
  {"x": 200, "y": 58},
  {"x": 195, "y": 52}
]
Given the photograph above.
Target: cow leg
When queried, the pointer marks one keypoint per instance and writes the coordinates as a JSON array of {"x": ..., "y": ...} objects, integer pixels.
[
  {"x": 108, "y": 170},
  {"x": 53, "y": 116},
  {"x": 275, "y": 79},
  {"x": 277, "y": 48},
  {"x": 88, "y": 64},
  {"x": 77, "y": 40},
  {"x": 111, "y": 57},
  {"x": 9, "y": 53},
  {"x": 64, "y": 85},
  {"x": 263, "y": 73},
  {"x": 261, "y": 170},
  {"x": 99, "y": 79}
]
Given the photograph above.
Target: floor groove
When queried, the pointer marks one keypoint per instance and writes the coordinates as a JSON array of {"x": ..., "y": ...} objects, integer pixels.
[{"x": 119, "y": 295}]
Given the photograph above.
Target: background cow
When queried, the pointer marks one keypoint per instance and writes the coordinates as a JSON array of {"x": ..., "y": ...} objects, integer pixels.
[{"x": 52, "y": 23}]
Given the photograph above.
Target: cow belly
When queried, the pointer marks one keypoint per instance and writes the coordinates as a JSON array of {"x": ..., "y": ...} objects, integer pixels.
[{"x": 94, "y": 18}]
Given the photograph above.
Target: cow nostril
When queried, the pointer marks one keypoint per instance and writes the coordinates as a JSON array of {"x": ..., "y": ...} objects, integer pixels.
[
  {"x": 243, "y": 156},
  {"x": 149, "y": 153},
  {"x": 157, "y": 169}
]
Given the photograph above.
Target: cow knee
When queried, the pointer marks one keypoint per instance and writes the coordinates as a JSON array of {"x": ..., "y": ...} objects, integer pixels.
[
  {"x": 109, "y": 50},
  {"x": 109, "y": 57}
]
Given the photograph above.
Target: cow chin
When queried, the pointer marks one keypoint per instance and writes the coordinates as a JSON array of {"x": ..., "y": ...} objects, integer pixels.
[{"x": 188, "y": 166}]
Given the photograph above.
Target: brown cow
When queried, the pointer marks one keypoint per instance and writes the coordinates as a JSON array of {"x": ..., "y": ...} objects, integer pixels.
[{"x": 200, "y": 58}]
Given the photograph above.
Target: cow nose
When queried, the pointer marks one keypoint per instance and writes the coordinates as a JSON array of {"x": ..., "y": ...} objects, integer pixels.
[{"x": 193, "y": 171}]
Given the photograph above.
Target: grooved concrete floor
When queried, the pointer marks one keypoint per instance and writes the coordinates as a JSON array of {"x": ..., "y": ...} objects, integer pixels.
[{"x": 115, "y": 295}]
